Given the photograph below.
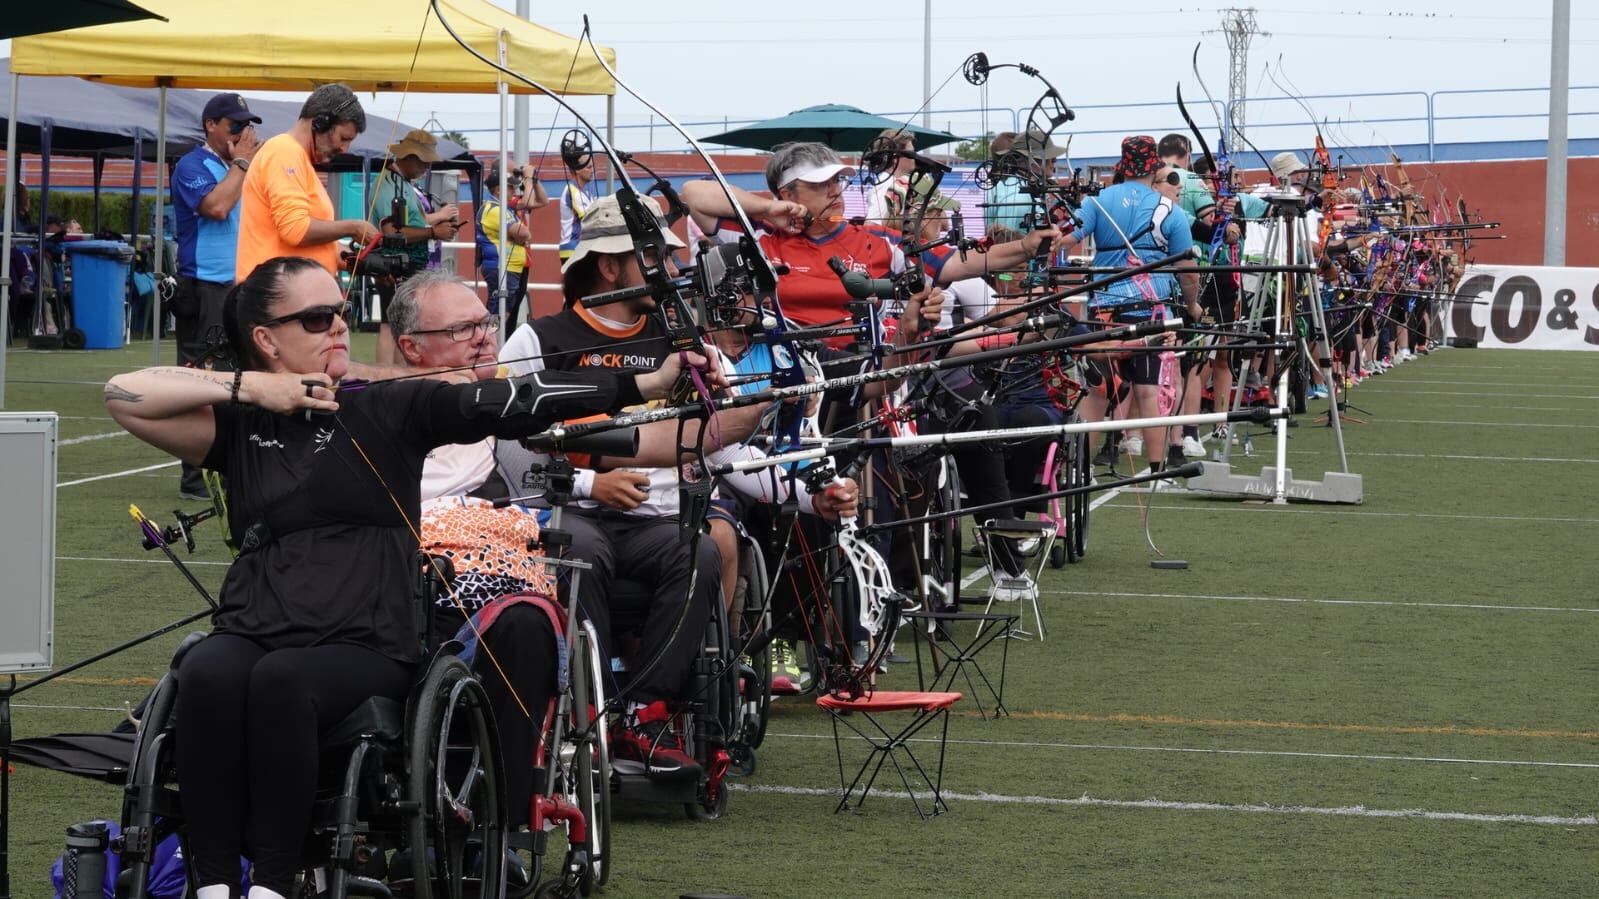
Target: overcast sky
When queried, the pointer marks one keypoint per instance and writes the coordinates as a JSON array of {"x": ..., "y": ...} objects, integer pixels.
[
  {"x": 719, "y": 58},
  {"x": 722, "y": 58}
]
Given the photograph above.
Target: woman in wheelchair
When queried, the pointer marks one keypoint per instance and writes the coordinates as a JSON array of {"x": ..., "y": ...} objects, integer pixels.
[{"x": 316, "y": 613}]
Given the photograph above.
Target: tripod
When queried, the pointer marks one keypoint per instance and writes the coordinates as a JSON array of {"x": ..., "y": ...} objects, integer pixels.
[{"x": 1288, "y": 239}]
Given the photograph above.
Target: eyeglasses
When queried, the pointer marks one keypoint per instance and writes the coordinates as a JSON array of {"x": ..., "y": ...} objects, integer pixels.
[
  {"x": 1172, "y": 178},
  {"x": 314, "y": 319},
  {"x": 237, "y": 128},
  {"x": 460, "y": 333}
]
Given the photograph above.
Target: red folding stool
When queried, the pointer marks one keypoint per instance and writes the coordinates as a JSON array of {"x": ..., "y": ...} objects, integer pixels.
[{"x": 888, "y": 747}]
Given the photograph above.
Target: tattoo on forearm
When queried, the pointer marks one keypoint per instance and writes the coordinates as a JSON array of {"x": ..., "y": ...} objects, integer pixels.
[{"x": 113, "y": 392}]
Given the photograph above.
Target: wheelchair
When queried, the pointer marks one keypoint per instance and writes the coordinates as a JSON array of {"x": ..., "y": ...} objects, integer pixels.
[
  {"x": 1068, "y": 464},
  {"x": 411, "y": 796},
  {"x": 706, "y": 720}
]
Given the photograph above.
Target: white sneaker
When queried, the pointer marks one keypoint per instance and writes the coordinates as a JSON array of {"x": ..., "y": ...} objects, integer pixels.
[
  {"x": 1133, "y": 446},
  {"x": 1192, "y": 448}
]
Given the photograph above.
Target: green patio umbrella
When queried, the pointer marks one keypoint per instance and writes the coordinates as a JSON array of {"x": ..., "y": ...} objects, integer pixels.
[
  {"x": 843, "y": 128},
  {"x": 23, "y": 19}
]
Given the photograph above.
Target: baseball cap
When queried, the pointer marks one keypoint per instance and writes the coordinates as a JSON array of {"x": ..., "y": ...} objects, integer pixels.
[
  {"x": 605, "y": 231},
  {"x": 228, "y": 106}
]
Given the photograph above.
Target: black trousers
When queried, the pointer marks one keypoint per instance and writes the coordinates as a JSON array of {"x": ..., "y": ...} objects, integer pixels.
[
  {"x": 647, "y": 550},
  {"x": 521, "y": 643},
  {"x": 516, "y": 291},
  {"x": 248, "y": 724},
  {"x": 197, "y": 309}
]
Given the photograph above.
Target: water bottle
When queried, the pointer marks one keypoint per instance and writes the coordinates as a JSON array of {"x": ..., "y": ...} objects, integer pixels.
[{"x": 83, "y": 867}]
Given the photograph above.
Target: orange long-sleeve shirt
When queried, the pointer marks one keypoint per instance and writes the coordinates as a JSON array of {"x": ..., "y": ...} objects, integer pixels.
[{"x": 282, "y": 194}]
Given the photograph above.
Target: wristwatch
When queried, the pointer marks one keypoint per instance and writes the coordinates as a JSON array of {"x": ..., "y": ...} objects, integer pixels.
[{"x": 243, "y": 164}]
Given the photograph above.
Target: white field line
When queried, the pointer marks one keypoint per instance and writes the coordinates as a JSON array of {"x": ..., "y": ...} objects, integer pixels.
[
  {"x": 1478, "y": 407},
  {"x": 1350, "y": 811},
  {"x": 1256, "y": 510},
  {"x": 1335, "y": 756},
  {"x": 1485, "y": 424},
  {"x": 118, "y": 474},
  {"x": 1399, "y": 388},
  {"x": 1329, "y": 452},
  {"x": 93, "y": 437},
  {"x": 1490, "y": 607},
  {"x": 162, "y": 560},
  {"x": 1477, "y": 382}
]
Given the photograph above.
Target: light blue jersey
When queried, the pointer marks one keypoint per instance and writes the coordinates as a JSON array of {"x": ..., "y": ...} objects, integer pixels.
[{"x": 1155, "y": 227}]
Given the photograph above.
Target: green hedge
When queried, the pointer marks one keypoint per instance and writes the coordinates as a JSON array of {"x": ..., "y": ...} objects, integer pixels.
[{"x": 114, "y": 208}]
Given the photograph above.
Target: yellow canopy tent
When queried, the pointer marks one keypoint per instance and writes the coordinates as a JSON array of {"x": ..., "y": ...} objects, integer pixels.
[
  {"x": 292, "y": 44},
  {"x": 298, "y": 44}
]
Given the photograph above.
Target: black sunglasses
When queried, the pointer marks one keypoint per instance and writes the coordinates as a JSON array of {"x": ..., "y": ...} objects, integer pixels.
[
  {"x": 1172, "y": 178},
  {"x": 237, "y": 128},
  {"x": 314, "y": 319}
]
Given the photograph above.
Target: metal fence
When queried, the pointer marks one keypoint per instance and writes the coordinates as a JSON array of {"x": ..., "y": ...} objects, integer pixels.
[{"x": 1435, "y": 126}]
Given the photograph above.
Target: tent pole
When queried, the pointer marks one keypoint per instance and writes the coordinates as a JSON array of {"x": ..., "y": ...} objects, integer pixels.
[
  {"x": 99, "y": 175},
  {"x": 520, "y": 103},
  {"x": 505, "y": 200},
  {"x": 158, "y": 263},
  {"x": 610, "y": 139},
  {"x": 5, "y": 254}
]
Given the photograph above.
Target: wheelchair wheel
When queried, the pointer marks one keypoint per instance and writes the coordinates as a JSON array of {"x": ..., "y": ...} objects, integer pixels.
[
  {"x": 454, "y": 777},
  {"x": 1085, "y": 476},
  {"x": 941, "y": 541},
  {"x": 707, "y": 735},
  {"x": 1062, "y": 464},
  {"x": 148, "y": 802},
  {"x": 592, "y": 771},
  {"x": 755, "y": 684}
]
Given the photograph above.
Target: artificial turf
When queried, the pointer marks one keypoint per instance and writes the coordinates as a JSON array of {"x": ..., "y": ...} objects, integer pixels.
[{"x": 1236, "y": 728}]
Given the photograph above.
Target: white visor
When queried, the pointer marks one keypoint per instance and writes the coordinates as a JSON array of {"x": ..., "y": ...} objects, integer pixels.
[{"x": 814, "y": 174}]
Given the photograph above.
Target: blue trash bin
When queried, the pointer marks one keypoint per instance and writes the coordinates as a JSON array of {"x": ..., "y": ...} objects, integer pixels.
[{"x": 99, "y": 290}]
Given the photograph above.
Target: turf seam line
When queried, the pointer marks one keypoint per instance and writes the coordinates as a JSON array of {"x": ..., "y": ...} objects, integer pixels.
[
  {"x": 1286, "y": 753},
  {"x": 1348, "y": 811},
  {"x": 1329, "y": 602},
  {"x": 1333, "y": 726}
]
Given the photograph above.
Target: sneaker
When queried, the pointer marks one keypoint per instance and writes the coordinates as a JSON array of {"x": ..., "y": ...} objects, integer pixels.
[
  {"x": 1176, "y": 454},
  {"x": 1219, "y": 433},
  {"x": 650, "y": 747},
  {"x": 192, "y": 488},
  {"x": 1133, "y": 445},
  {"x": 787, "y": 676},
  {"x": 1192, "y": 448}
]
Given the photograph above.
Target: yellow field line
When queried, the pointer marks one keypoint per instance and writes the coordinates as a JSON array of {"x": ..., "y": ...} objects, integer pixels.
[{"x": 1443, "y": 729}]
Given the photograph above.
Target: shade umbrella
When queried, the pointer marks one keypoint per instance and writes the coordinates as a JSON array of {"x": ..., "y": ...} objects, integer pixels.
[
  {"x": 836, "y": 125},
  {"x": 23, "y": 19}
]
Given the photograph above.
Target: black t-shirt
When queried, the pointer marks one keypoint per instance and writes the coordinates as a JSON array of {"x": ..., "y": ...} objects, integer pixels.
[{"x": 325, "y": 509}]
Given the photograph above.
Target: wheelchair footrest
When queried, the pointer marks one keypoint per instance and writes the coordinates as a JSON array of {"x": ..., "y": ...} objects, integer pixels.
[{"x": 640, "y": 788}]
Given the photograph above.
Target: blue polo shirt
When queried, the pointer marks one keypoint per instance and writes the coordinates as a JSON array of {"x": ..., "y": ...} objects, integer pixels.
[
  {"x": 1130, "y": 207},
  {"x": 206, "y": 247}
]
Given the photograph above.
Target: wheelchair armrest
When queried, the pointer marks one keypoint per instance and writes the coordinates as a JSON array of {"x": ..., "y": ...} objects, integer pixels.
[{"x": 188, "y": 643}]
